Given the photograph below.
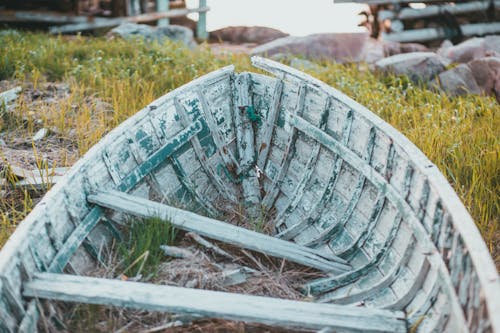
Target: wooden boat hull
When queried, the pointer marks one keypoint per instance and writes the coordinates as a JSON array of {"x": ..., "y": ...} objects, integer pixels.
[{"x": 340, "y": 180}]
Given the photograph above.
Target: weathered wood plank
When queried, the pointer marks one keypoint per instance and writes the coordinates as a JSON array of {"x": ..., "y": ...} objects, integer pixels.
[
  {"x": 218, "y": 230},
  {"x": 319, "y": 286},
  {"x": 328, "y": 190},
  {"x": 186, "y": 118},
  {"x": 271, "y": 195},
  {"x": 272, "y": 311},
  {"x": 101, "y": 23}
]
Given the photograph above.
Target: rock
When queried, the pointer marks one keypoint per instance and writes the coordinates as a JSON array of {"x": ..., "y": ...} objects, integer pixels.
[
  {"x": 492, "y": 45},
  {"x": 302, "y": 64},
  {"x": 418, "y": 66},
  {"x": 341, "y": 47},
  {"x": 240, "y": 35},
  {"x": 486, "y": 71},
  {"x": 42, "y": 133},
  {"x": 172, "y": 32},
  {"x": 464, "y": 52},
  {"x": 457, "y": 81},
  {"x": 413, "y": 47}
]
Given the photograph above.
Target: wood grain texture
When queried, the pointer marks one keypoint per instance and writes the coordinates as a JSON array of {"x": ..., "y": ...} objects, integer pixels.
[{"x": 214, "y": 304}]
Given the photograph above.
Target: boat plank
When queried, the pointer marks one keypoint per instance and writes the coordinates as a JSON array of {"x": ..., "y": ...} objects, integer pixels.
[
  {"x": 285, "y": 313},
  {"x": 218, "y": 230}
]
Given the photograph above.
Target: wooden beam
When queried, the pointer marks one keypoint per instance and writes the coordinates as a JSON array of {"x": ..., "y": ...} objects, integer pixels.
[
  {"x": 103, "y": 23},
  {"x": 162, "y": 6},
  {"x": 428, "y": 34},
  {"x": 201, "y": 25},
  {"x": 409, "y": 13},
  {"x": 213, "y": 304},
  {"x": 221, "y": 231}
]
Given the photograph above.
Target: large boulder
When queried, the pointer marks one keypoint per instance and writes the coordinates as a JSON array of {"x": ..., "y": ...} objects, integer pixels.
[
  {"x": 492, "y": 45},
  {"x": 418, "y": 66},
  {"x": 171, "y": 32},
  {"x": 341, "y": 47},
  {"x": 457, "y": 81},
  {"x": 464, "y": 52},
  {"x": 486, "y": 71},
  {"x": 240, "y": 35}
]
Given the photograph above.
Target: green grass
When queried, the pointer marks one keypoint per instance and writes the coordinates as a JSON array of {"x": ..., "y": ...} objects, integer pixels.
[
  {"x": 460, "y": 135},
  {"x": 141, "y": 251}
]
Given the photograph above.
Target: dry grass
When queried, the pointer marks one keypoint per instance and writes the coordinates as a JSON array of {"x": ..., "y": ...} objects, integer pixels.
[{"x": 109, "y": 80}]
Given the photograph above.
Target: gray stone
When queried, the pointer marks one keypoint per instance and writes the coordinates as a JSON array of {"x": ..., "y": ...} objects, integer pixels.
[
  {"x": 486, "y": 71},
  {"x": 241, "y": 34},
  {"x": 303, "y": 64},
  {"x": 341, "y": 47},
  {"x": 457, "y": 81},
  {"x": 171, "y": 32},
  {"x": 464, "y": 52},
  {"x": 418, "y": 66},
  {"x": 492, "y": 45}
]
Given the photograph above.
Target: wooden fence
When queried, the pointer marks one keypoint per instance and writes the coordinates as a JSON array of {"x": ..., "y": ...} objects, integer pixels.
[
  {"x": 430, "y": 20},
  {"x": 70, "y": 16}
]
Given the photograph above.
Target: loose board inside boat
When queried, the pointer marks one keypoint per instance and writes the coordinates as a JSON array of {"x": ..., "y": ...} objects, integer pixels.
[{"x": 349, "y": 194}]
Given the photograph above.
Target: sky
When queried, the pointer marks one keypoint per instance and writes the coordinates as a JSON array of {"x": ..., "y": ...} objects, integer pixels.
[{"x": 295, "y": 17}]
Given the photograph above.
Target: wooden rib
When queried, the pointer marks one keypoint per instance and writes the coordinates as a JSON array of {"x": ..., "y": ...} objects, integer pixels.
[
  {"x": 213, "y": 304},
  {"x": 415, "y": 286},
  {"x": 218, "y": 230},
  {"x": 83, "y": 229},
  {"x": 10, "y": 297},
  {"x": 109, "y": 166},
  {"x": 380, "y": 285},
  {"x": 75, "y": 240},
  {"x": 212, "y": 175},
  {"x": 271, "y": 195},
  {"x": 29, "y": 322},
  {"x": 356, "y": 195},
  {"x": 150, "y": 178},
  {"x": 319, "y": 286},
  {"x": 328, "y": 189},
  {"x": 359, "y": 242},
  {"x": 309, "y": 170},
  {"x": 190, "y": 186},
  {"x": 226, "y": 154},
  {"x": 270, "y": 123}
]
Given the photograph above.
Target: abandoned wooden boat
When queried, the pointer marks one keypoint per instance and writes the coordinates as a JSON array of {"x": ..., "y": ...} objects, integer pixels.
[{"x": 351, "y": 196}]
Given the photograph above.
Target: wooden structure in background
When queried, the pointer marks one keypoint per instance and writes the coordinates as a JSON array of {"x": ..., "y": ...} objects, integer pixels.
[
  {"x": 68, "y": 16},
  {"x": 430, "y": 20}
]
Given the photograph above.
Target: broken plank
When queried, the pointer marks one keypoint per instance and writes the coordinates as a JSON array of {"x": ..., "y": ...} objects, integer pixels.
[
  {"x": 266, "y": 310},
  {"x": 218, "y": 230}
]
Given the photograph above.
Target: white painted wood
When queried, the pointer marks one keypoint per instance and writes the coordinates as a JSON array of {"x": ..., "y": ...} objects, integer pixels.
[
  {"x": 271, "y": 311},
  {"x": 218, "y": 230}
]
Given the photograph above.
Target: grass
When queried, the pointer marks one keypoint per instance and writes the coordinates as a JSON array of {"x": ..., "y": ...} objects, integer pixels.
[
  {"x": 141, "y": 251},
  {"x": 109, "y": 80}
]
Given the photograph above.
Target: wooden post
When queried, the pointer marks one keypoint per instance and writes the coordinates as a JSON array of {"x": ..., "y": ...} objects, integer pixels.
[
  {"x": 201, "y": 26},
  {"x": 162, "y": 6}
]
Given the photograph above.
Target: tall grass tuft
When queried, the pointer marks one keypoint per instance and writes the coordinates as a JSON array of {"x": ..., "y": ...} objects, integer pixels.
[{"x": 141, "y": 250}]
